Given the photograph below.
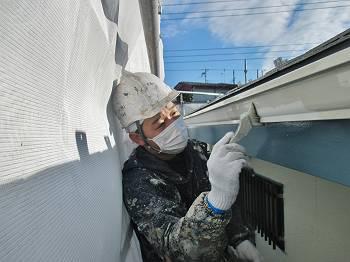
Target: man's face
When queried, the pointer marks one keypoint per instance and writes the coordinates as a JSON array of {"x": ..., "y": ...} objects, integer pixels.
[{"x": 153, "y": 126}]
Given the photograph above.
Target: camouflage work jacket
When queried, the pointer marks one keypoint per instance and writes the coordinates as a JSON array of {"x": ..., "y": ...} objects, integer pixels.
[{"x": 165, "y": 200}]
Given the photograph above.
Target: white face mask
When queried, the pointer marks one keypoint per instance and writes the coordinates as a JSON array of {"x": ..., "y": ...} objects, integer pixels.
[{"x": 173, "y": 139}]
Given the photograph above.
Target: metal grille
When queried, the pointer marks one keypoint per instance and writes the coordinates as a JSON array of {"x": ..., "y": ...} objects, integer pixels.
[{"x": 261, "y": 202}]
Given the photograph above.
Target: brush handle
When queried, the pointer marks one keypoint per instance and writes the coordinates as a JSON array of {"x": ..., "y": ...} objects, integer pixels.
[{"x": 247, "y": 120}]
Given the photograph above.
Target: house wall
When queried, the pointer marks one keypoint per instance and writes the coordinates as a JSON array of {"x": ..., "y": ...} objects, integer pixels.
[
  {"x": 316, "y": 217},
  {"x": 211, "y": 90},
  {"x": 318, "y": 148},
  {"x": 188, "y": 108},
  {"x": 316, "y": 203}
]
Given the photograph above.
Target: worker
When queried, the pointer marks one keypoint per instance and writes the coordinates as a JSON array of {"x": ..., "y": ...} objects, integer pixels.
[{"x": 181, "y": 205}]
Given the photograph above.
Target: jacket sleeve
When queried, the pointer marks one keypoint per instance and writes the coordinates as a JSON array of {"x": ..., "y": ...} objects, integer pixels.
[
  {"x": 156, "y": 209},
  {"x": 237, "y": 230}
]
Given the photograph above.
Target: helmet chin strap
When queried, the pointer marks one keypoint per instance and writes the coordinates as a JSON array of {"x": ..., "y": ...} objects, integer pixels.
[{"x": 144, "y": 138}]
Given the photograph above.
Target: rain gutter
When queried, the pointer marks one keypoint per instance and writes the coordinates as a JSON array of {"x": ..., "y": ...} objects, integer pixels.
[{"x": 316, "y": 86}]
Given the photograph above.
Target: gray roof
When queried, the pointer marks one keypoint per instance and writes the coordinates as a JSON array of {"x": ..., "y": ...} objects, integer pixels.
[
  {"x": 209, "y": 85},
  {"x": 333, "y": 45}
]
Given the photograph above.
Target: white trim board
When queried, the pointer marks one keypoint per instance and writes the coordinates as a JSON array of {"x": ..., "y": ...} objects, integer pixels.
[{"x": 317, "y": 91}]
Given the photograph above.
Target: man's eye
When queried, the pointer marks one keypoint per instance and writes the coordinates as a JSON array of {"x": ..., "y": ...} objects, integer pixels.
[{"x": 161, "y": 125}]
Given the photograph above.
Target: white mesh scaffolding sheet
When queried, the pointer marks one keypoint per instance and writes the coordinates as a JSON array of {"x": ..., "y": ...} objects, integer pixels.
[{"x": 60, "y": 173}]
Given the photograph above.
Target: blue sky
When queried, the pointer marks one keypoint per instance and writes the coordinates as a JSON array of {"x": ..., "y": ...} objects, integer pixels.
[{"x": 276, "y": 35}]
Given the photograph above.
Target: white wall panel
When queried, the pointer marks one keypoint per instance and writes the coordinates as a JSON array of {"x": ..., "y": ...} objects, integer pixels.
[{"x": 60, "y": 172}]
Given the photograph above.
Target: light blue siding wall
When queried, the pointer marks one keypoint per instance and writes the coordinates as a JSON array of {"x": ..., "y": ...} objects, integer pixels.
[{"x": 319, "y": 148}]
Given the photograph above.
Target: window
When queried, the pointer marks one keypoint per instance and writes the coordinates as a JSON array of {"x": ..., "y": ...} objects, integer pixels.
[{"x": 261, "y": 202}]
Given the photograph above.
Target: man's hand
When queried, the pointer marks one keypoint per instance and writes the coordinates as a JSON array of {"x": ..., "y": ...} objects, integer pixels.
[
  {"x": 248, "y": 252},
  {"x": 224, "y": 165}
]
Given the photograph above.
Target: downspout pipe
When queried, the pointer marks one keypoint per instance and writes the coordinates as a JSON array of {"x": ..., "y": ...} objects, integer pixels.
[{"x": 150, "y": 13}]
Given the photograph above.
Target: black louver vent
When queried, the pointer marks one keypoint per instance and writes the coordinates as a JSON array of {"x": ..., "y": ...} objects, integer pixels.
[{"x": 261, "y": 202}]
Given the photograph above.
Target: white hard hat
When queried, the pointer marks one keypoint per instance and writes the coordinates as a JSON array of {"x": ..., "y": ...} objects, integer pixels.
[{"x": 139, "y": 96}]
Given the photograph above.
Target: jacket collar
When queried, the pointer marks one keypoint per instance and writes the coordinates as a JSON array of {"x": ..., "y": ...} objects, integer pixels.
[{"x": 141, "y": 158}]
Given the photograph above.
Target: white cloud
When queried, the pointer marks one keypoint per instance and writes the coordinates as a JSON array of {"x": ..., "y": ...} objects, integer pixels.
[
  {"x": 314, "y": 26},
  {"x": 258, "y": 29},
  {"x": 170, "y": 30}
]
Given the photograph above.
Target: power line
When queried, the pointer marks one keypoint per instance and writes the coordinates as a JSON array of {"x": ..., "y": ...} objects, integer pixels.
[
  {"x": 221, "y": 60},
  {"x": 236, "y": 47},
  {"x": 260, "y": 13},
  {"x": 223, "y": 72},
  {"x": 208, "y": 2},
  {"x": 252, "y": 8},
  {"x": 236, "y": 53},
  {"x": 198, "y": 69},
  {"x": 182, "y": 70}
]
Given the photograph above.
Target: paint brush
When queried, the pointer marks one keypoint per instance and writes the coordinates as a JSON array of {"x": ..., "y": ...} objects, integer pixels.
[{"x": 247, "y": 121}]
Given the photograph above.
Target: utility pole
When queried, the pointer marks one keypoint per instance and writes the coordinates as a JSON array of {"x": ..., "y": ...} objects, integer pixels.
[
  {"x": 205, "y": 75},
  {"x": 233, "y": 77},
  {"x": 257, "y": 73},
  {"x": 245, "y": 71}
]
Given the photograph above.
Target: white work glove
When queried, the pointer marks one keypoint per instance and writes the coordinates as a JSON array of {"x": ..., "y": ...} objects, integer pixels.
[
  {"x": 248, "y": 252},
  {"x": 224, "y": 165}
]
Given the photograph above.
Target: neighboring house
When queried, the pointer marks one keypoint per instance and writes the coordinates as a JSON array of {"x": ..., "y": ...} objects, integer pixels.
[
  {"x": 203, "y": 87},
  {"x": 192, "y": 102}
]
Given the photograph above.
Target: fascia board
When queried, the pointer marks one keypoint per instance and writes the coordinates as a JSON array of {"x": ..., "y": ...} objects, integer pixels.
[{"x": 317, "y": 91}]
